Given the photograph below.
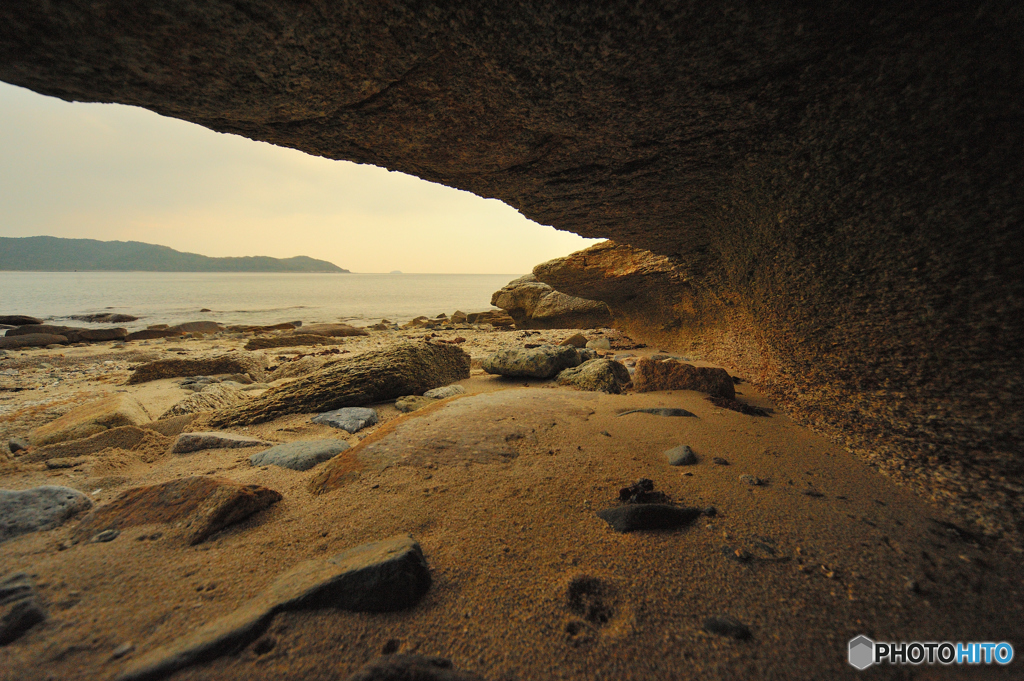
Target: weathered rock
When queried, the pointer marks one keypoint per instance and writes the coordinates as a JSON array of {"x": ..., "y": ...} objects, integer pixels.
[
  {"x": 351, "y": 419},
  {"x": 73, "y": 334},
  {"x": 235, "y": 363},
  {"x": 604, "y": 375},
  {"x": 669, "y": 374},
  {"x": 292, "y": 340},
  {"x": 186, "y": 443},
  {"x": 248, "y": 328},
  {"x": 302, "y": 366},
  {"x": 497, "y": 318},
  {"x": 301, "y": 455},
  {"x": 535, "y": 305},
  {"x": 411, "y": 668},
  {"x": 197, "y": 327},
  {"x": 459, "y": 317},
  {"x": 659, "y": 411},
  {"x": 632, "y": 517},
  {"x": 599, "y": 344},
  {"x": 69, "y": 462},
  {"x": 31, "y": 340},
  {"x": 19, "y": 320},
  {"x": 197, "y": 506},
  {"x": 331, "y": 330},
  {"x": 540, "y": 362},
  {"x": 17, "y": 444},
  {"x": 171, "y": 427},
  {"x": 576, "y": 340},
  {"x": 380, "y": 577},
  {"x": 730, "y": 627},
  {"x": 351, "y": 382},
  {"x": 681, "y": 456},
  {"x": 211, "y": 398},
  {"x": 410, "y": 403},
  {"x": 105, "y": 318},
  {"x": 116, "y": 409},
  {"x": 20, "y": 608},
  {"x": 445, "y": 392},
  {"x": 150, "y": 334},
  {"x": 128, "y": 438},
  {"x": 39, "y": 508}
]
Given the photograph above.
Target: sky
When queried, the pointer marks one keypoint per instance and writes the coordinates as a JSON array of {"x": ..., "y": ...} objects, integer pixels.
[{"x": 120, "y": 173}]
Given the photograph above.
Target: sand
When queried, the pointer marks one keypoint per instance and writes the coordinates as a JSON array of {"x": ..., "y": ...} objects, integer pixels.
[{"x": 501, "y": 488}]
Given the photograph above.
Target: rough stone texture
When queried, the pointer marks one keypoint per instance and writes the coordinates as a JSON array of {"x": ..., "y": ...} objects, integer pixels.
[
  {"x": 540, "y": 362},
  {"x": 352, "y": 382},
  {"x": 31, "y": 340},
  {"x": 605, "y": 375},
  {"x": 18, "y": 444},
  {"x": 235, "y": 363},
  {"x": 839, "y": 186},
  {"x": 116, "y": 409},
  {"x": 351, "y": 419},
  {"x": 186, "y": 443},
  {"x": 633, "y": 517},
  {"x": 670, "y": 374},
  {"x": 411, "y": 668},
  {"x": 198, "y": 507},
  {"x": 171, "y": 427},
  {"x": 18, "y": 320},
  {"x": 445, "y": 392},
  {"x": 128, "y": 438},
  {"x": 535, "y": 305},
  {"x": 410, "y": 403},
  {"x": 211, "y": 398},
  {"x": 197, "y": 327},
  {"x": 291, "y": 340},
  {"x": 39, "y": 508},
  {"x": 497, "y": 318},
  {"x": 380, "y": 577},
  {"x": 20, "y": 609},
  {"x": 330, "y": 330},
  {"x": 301, "y": 455},
  {"x": 577, "y": 340},
  {"x": 73, "y": 334}
]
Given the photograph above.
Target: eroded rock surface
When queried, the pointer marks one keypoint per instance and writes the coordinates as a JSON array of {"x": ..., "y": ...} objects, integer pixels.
[
  {"x": 235, "y": 363},
  {"x": 39, "y": 508},
  {"x": 112, "y": 411},
  {"x": 535, "y": 305},
  {"x": 541, "y": 362},
  {"x": 605, "y": 375}
]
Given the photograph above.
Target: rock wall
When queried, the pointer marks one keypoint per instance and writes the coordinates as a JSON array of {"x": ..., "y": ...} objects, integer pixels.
[{"x": 838, "y": 185}]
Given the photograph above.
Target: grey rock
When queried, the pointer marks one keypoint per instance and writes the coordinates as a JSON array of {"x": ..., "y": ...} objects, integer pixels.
[
  {"x": 660, "y": 411},
  {"x": 602, "y": 375},
  {"x": 411, "y": 403},
  {"x": 380, "y": 577},
  {"x": 445, "y": 391},
  {"x": 720, "y": 461},
  {"x": 631, "y": 517},
  {"x": 17, "y": 444},
  {"x": 194, "y": 442},
  {"x": 411, "y": 668},
  {"x": 545, "y": 361},
  {"x": 723, "y": 625},
  {"x": 681, "y": 456},
  {"x": 39, "y": 508},
  {"x": 351, "y": 419},
  {"x": 20, "y": 609},
  {"x": 301, "y": 455}
]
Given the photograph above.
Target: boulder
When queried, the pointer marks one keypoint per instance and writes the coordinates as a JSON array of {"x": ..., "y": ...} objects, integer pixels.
[
  {"x": 18, "y": 320},
  {"x": 234, "y": 363},
  {"x": 670, "y": 374},
  {"x": 37, "y": 509},
  {"x": 544, "y": 361},
  {"x": 197, "y": 506},
  {"x": 332, "y": 330},
  {"x": 604, "y": 375},
  {"x": 376, "y": 376},
  {"x": 197, "y": 327},
  {"x": 379, "y": 577},
  {"x": 497, "y": 318},
  {"x": 351, "y": 419},
  {"x": 681, "y": 456},
  {"x": 186, "y": 443},
  {"x": 459, "y": 317},
  {"x": 301, "y": 455},
  {"x": 292, "y": 340},
  {"x": 535, "y": 305},
  {"x": 210, "y": 398},
  {"x": 31, "y": 340},
  {"x": 599, "y": 344},
  {"x": 116, "y": 409},
  {"x": 20, "y": 608}
]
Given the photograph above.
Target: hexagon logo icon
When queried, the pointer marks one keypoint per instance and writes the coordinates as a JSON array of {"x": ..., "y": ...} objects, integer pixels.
[{"x": 862, "y": 652}]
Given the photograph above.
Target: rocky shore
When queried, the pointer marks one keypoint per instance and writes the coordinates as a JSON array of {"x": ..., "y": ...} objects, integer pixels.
[{"x": 451, "y": 498}]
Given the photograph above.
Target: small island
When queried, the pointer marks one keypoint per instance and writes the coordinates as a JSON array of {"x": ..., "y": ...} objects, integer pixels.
[{"x": 54, "y": 254}]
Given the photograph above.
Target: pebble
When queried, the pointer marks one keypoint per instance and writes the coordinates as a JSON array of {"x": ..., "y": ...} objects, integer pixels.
[
  {"x": 106, "y": 535},
  {"x": 122, "y": 650},
  {"x": 681, "y": 456},
  {"x": 720, "y": 461},
  {"x": 723, "y": 625},
  {"x": 752, "y": 480}
]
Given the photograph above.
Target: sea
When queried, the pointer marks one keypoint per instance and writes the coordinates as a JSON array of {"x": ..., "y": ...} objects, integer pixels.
[{"x": 244, "y": 298}]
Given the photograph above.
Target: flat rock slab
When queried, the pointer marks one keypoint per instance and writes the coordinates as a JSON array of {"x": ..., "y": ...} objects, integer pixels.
[
  {"x": 199, "y": 506},
  {"x": 445, "y": 392},
  {"x": 660, "y": 411},
  {"x": 19, "y": 320},
  {"x": 632, "y": 517},
  {"x": 411, "y": 668},
  {"x": 681, "y": 456},
  {"x": 331, "y": 330},
  {"x": 32, "y": 340},
  {"x": 301, "y": 455},
  {"x": 291, "y": 340},
  {"x": 669, "y": 374},
  {"x": 72, "y": 333},
  {"x": 112, "y": 411},
  {"x": 604, "y": 375},
  {"x": 235, "y": 363},
  {"x": 380, "y": 577},
  {"x": 351, "y": 419},
  {"x": 40, "y": 508},
  {"x": 194, "y": 442},
  {"x": 544, "y": 361},
  {"x": 20, "y": 609}
]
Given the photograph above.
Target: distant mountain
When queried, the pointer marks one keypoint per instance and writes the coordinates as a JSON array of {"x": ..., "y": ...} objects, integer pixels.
[{"x": 52, "y": 254}]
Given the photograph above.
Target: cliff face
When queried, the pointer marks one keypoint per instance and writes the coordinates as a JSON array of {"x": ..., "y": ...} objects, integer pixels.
[{"x": 838, "y": 187}]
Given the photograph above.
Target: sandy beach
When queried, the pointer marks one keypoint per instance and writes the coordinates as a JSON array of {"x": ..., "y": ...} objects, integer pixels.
[{"x": 500, "y": 487}]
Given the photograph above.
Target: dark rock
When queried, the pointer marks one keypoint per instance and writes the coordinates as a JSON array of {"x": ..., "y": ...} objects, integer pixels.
[
  {"x": 496, "y": 318},
  {"x": 20, "y": 609},
  {"x": 727, "y": 626},
  {"x": 198, "y": 506},
  {"x": 30, "y": 340},
  {"x": 720, "y": 461},
  {"x": 292, "y": 340},
  {"x": 660, "y": 411},
  {"x": 71, "y": 333},
  {"x": 710, "y": 511},
  {"x": 150, "y": 334},
  {"x": 19, "y": 320},
  {"x": 669, "y": 374},
  {"x": 105, "y": 318},
  {"x": 752, "y": 480},
  {"x": 642, "y": 492},
  {"x": 736, "y": 405},
  {"x": 602, "y": 375},
  {"x": 545, "y": 361},
  {"x": 39, "y": 508},
  {"x": 410, "y": 668},
  {"x": 17, "y": 444},
  {"x": 351, "y": 419},
  {"x": 681, "y": 456},
  {"x": 187, "y": 443},
  {"x": 535, "y": 305},
  {"x": 632, "y": 517},
  {"x": 197, "y": 327},
  {"x": 234, "y": 363},
  {"x": 376, "y": 376},
  {"x": 301, "y": 455},
  {"x": 577, "y": 340},
  {"x": 331, "y": 330},
  {"x": 381, "y": 577}
]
